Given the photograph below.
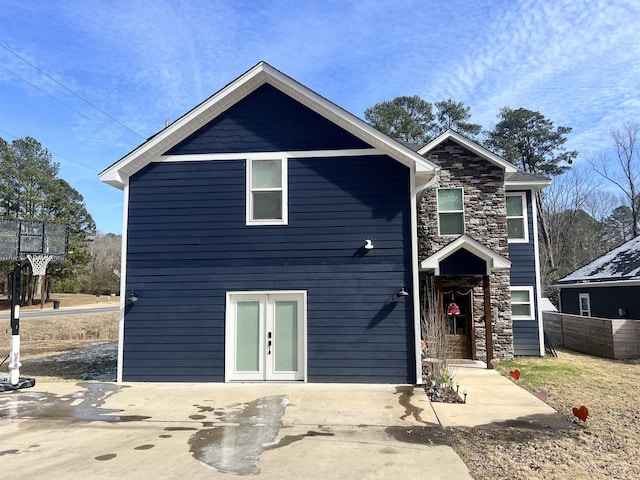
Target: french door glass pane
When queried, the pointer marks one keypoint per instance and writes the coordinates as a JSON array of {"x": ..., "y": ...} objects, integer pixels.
[
  {"x": 286, "y": 336},
  {"x": 248, "y": 337}
]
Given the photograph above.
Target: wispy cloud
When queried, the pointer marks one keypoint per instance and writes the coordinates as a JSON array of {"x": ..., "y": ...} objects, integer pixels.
[{"x": 575, "y": 61}]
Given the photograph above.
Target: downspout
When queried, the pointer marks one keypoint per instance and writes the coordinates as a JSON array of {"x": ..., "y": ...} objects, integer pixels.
[
  {"x": 123, "y": 280},
  {"x": 416, "y": 195}
]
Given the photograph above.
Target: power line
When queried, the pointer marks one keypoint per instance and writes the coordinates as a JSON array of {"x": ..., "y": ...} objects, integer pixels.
[
  {"x": 70, "y": 91},
  {"x": 66, "y": 105},
  {"x": 58, "y": 155}
]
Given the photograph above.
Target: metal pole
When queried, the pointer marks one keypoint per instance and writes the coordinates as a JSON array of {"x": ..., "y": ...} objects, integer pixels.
[{"x": 14, "y": 365}]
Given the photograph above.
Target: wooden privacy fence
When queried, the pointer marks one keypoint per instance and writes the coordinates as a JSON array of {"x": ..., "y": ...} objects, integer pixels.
[{"x": 601, "y": 337}]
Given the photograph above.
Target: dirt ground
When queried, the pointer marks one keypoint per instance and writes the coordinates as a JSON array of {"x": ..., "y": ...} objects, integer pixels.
[{"x": 605, "y": 446}]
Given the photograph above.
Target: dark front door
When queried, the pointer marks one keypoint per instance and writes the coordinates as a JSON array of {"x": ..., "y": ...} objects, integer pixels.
[{"x": 458, "y": 318}]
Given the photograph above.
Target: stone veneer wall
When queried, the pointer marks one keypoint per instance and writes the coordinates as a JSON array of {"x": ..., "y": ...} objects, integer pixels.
[{"x": 485, "y": 221}]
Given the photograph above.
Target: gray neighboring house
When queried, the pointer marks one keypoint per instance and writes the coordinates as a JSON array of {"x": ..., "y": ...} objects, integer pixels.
[{"x": 608, "y": 287}]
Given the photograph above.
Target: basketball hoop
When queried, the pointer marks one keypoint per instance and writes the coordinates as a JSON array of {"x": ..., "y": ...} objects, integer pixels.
[{"x": 39, "y": 263}]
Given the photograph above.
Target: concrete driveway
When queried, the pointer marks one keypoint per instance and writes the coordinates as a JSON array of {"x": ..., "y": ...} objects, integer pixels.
[{"x": 204, "y": 431}]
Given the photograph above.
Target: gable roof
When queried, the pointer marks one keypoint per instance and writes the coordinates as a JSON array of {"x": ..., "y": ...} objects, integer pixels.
[
  {"x": 509, "y": 168},
  {"x": 235, "y": 91},
  {"x": 622, "y": 264},
  {"x": 492, "y": 259}
]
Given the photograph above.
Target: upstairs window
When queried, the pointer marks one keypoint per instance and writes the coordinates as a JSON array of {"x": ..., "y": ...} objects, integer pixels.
[
  {"x": 517, "y": 224},
  {"x": 450, "y": 211},
  {"x": 267, "y": 192}
]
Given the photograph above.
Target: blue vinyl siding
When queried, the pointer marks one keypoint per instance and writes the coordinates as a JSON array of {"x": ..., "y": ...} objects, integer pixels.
[
  {"x": 526, "y": 334},
  {"x": 188, "y": 245},
  {"x": 605, "y": 301},
  {"x": 267, "y": 120}
]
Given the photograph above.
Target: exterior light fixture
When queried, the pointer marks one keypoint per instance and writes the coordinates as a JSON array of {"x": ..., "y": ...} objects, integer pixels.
[
  {"x": 368, "y": 244},
  {"x": 402, "y": 293},
  {"x": 133, "y": 297}
]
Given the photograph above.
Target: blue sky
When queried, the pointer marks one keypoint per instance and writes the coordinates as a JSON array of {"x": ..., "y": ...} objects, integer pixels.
[{"x": 140, "y": 62}]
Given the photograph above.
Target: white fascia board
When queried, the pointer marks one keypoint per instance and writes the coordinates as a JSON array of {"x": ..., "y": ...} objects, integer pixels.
[
  {"x": 493, "y": 260},
  {"x": 235, "y": 91},
  {"x": 509, "y": 168},
  {"x": 528, "y": 185},
  {"x": 182, "y": 128}
]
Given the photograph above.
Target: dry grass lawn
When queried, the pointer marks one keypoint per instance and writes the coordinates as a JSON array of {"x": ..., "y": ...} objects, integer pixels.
[{"x": 606, "y": 446}]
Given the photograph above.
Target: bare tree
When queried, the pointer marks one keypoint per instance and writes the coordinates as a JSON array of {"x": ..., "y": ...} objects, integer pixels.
[
  {"x": 627, "y": 174},
  {"x": 576, "y": 208},
  {"x": 100, "y": 277}
]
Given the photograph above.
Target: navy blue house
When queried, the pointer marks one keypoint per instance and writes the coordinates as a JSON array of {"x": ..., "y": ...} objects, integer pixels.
[
  {"x": 271, "y": 235},
  {"x": 607, "y": 287}
]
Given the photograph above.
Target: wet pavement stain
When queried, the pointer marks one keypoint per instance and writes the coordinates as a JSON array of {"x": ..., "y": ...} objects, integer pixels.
[
  {"x": 144, "y": 447},
  {"x": 431, "y": 435},
  {"x": 109, "y": 456},
  {"x": 197, "y": 417},
  {"x": 237, "y": 448},
  {"x": 82, "y": 406},
  {"x": 289, "y": 439},
  {"x": 165, "y": 436},
  {"x": 410, "y": 410},
  {"x": 9, "y": 452},
  {"x": 180, "y": 429}
]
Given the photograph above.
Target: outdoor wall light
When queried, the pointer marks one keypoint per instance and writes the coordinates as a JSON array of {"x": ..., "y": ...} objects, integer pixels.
[
  {"x": 402, "y": 293},
  {"x": 133, "y": 297},
  {"x": 622, "y": 312},
  {"x": 368, "y": 244}
]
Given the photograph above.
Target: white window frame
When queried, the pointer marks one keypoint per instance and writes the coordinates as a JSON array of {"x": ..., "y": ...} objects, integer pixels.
[
  {"x": 525, "y": 219},
  {"x": 284, "y": 189},
  {"x": 531, "y": 304},
  {"x": 461, "y": 212},
  {"x": 588, "y": 310}
]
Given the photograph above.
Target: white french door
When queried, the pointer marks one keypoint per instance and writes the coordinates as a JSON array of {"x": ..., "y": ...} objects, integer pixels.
[{"x": 265, "y": 336}]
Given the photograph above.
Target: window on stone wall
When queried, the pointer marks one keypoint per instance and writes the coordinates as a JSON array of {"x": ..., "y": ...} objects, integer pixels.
[
  {"x": 517, "y": 225},
  {"x": 450, "y": 211},
  {"x": 522, "y": 303}
]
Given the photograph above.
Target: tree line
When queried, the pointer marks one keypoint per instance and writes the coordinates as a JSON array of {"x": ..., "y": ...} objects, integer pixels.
[
  {"x": 579, "y": 219},
  {"x": 31, "y": 189}
]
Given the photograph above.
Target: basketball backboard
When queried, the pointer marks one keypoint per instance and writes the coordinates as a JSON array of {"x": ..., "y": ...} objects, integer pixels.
[{"x": 19, "y": 238}]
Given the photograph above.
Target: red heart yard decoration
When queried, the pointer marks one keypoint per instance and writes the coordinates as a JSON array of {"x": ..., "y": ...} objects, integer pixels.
[
  {"x": 542, "y": 394},
  {"x": 494, "y": 362},
  {"x": 515, "y": 374},
  {"x": 582, "y": 413}
]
